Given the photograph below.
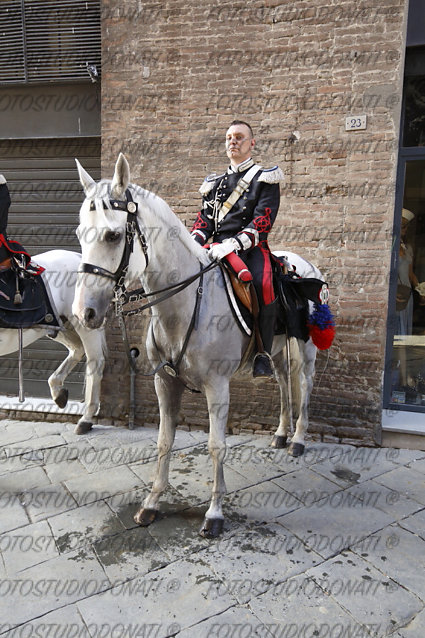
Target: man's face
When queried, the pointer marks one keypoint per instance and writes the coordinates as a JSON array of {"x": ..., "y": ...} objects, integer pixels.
[{"x": 239, "y": 143}]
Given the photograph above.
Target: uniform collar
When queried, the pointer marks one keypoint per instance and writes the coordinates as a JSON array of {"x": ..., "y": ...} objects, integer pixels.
[{"x": 241, "y": 167}]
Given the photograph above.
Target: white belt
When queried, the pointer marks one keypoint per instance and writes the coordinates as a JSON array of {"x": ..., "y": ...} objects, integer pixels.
[{"x": 240, "y": 189}]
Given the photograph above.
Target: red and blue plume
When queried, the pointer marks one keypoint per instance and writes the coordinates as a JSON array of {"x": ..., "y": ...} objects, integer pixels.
[{"x": 321, "y": 326}]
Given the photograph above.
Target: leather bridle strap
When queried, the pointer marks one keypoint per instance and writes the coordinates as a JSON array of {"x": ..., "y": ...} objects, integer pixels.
[{"x": 131, "y": 228}]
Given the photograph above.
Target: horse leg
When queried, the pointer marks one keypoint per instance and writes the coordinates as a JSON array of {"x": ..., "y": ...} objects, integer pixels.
[
  {"x": 169, "y": 392},
  {"x": 218, "y": 408},
  {"x": 94, "y": 347},
  {"x": 281, "y": 372},
  {"x": 304, "y": 365},
  {"x": 75, "y": 353}
]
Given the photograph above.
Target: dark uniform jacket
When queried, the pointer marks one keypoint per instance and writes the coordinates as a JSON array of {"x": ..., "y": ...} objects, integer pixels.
[
  {"x": 250, "y": 218},
  {"x": 4, "y": 207}
]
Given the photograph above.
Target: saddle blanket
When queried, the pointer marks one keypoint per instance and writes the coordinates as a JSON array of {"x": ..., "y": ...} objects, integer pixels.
[{"x": 35, "y": 306}]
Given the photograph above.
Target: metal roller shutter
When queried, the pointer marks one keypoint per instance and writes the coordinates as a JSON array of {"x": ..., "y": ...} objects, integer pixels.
[{"x": 46, "y": 197}]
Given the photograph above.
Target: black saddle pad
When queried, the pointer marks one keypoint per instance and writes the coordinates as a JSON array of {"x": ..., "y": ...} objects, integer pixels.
[{"x": 35, "y": 308}]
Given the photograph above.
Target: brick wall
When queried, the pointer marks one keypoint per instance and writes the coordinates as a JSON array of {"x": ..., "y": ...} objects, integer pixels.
[{"x": 175, "y": 73}]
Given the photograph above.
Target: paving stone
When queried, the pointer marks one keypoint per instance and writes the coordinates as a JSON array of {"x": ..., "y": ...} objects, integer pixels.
[
  {"x": 101, "y": 485},
  {"x": 145, "y": 471},
  {"x": 37, "y": 443},
  {"x": 12, "y": 513},
  {"x": 43, "y": 502},
  {"x": 15, "y": 432},
  {"x": 385, "y": 499},
  {"x": 19, "y": 463},
  {"x": 249, "y": 465},
  {"x": 50, "y": 585},
  {"x": 407, "y": 482},
  {"x": 65, "y": 622},
  {"x": 355, "y": 466},
  {"x": 404, "y": 457},
  {"x": 236, "y": 560},
  {"x": 260, "y": 503},
  {"x": 87, "y": 524},
  {"x": 415, "y": 628},
  {"x": 18, "y": 482},
  {"x": 45, "y": 428},
  {"x": 59, "y": 472},
  {"x": 27, "y": 546},
  {"x": 113, "y": 457},
  {"x": 130, "y": 554},
  {"x": 236, "y": 622},
  {"x": 307, "y": 485},
  {"x": 370, "y": 596},
  {"x": 403, "y": 559},
  {"x": 418, "y": 465},
  {"x": 170, "y": 599},
  {"x": 330, "y": 524},
  {"x": 298, "y": 607},
  {"x": 415, "y": 523}
]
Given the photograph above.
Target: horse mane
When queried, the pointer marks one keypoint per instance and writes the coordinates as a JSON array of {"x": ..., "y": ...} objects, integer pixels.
[{"x": 160, "y": 209}]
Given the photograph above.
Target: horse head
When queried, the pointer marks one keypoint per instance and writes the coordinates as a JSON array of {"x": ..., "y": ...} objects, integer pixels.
[{"x": 108, "y": 217}]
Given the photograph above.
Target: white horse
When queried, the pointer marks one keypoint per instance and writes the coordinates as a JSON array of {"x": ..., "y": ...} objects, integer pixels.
[
  {"x": 204, "y": 358},
  {"x": 61, "y": 274}
]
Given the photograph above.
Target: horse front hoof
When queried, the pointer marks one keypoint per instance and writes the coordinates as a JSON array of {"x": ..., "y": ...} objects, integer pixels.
[
  {"x": 212, "y": 527},
  {"x": 279, "y": 442},
  {"x": 296, "y": 449},
  {"x": 62, "y": 398},
  {"x": 145, "y": 517},
  {"x": 83, "y": 427}
]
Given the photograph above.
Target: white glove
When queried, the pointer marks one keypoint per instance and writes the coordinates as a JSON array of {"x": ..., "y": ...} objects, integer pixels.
[
  {"x": 420, "y": 288},
  {"x": 218, "y": 251}
]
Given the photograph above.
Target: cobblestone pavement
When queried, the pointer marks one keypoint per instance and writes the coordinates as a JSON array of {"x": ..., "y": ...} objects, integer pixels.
[{"x": 327, "y": 546}]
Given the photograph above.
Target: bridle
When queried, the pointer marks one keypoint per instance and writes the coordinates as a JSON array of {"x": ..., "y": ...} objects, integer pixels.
[
  {"x": 132, "y": 229},
  {"x": 122, "y": 297}
]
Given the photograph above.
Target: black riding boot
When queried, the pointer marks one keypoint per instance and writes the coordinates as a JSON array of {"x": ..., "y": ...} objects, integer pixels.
[{"x": 266, "y": 323}]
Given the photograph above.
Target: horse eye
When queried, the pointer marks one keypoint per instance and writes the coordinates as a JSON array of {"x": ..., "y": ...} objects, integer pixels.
[{"x": 112, "y": 236}]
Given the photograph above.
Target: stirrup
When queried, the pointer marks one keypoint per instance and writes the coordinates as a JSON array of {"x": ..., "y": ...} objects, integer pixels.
[{"x": 263, "y": 366}]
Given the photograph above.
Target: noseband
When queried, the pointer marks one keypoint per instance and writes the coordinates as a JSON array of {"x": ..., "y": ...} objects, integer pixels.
[{"x": 131, "y": 230}]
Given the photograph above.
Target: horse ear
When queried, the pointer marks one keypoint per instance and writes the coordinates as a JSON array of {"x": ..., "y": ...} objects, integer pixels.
[
  {"x": 121, "y": 177},
  {"x": 87, "y": 182}
]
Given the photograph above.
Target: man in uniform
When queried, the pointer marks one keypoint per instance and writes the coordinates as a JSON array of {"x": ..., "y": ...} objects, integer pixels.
[{"x": 239, "y": 215}]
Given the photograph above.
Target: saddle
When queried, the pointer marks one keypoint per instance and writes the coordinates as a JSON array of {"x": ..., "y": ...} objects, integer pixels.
[
  {"x": 24, "y": 298},
  {"x": 296, "y": 316}
]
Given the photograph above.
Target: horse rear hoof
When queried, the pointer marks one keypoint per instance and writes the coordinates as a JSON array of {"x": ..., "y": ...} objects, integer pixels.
[
  {"x": 212, "y": 527},
  {"x": 145, "y": 517},
  {"x": 296, "y": 449},
  {"x": 279, "y": 442},
  {"x": 83, "y": 427},
  {"x": 62, "y": 398}
]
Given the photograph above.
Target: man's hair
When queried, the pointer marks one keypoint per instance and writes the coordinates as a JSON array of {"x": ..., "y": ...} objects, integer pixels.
[{"x": 236, "y": 122}]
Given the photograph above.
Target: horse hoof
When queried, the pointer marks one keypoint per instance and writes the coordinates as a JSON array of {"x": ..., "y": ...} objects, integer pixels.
[
  {"x": 279, "y": 442},
  {"x": 145, "y": 517},
  {"x": 212, "y": 527},
  {"x": 296, "y": 449},
  {"x": 62, "y": 398},
  {"x": 83, "y": 427}
]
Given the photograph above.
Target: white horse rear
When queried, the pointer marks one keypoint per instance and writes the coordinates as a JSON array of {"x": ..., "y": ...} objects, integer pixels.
[{"x": 61, "y": 272}]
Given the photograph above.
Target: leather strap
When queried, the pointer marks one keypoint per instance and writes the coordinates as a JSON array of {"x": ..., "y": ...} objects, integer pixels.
[{"x": 241, "y": 187}]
